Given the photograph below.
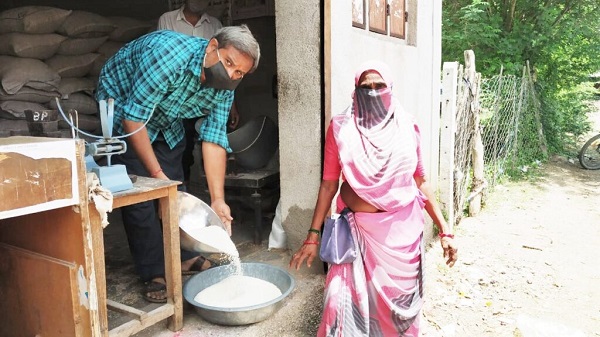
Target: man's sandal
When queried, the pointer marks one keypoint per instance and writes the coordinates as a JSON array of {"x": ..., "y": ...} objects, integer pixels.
[
  {"x": 197, "y": 266},
  {"x": 153, "y": 288}
]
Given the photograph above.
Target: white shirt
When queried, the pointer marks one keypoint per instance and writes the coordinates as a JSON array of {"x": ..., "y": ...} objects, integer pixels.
[{"x": 206, "y": 27}]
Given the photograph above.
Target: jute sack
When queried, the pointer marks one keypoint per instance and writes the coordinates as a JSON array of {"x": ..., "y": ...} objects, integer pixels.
[
  {"x": 16, "y": 109},
  {"x": 32, "y": 19},
  {"x": 84, "y": 104},
  {"x": 86, "y": 24},
  {"x": 110, "y": 48},
  {"x": 13, "y": 127},
  {"x": 17, "y": 72},
  {"x": 86, "y": 123},
  {"x": 28, "y": 94},
  {"x": 75, "y": 46},
  {"x": 97, "y": 66},
  {"x": 128, "y": 29},
  {"x": 72, "y": 65},
  {"x": 37, "y": 46},
  {"x": 106, "y": 51},
  {"x": 70, "y": 85}
]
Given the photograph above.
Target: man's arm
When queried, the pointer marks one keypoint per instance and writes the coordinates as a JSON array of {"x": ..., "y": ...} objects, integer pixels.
[
  {"x": 215, "y": 163},
  {"x": 140, "y": 142},
  {"x": 234, "y": 117}
]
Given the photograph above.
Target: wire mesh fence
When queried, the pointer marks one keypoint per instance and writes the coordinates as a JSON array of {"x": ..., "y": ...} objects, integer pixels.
[
  {"x": 463, "y": 143},
  {"x": 511, "y": 127},
  {"x": 509, "y": 121},
  {"x": 499, "y": 121}
]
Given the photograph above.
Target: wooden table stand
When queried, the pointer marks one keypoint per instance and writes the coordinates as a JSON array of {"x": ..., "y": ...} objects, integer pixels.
[{"x": 144, "y": 189}]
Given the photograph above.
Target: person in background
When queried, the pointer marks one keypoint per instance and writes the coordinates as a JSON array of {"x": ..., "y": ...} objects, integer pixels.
[
  {"x": 192, "y": 19},
  {"x": 162, "y": 78},
  {"x": 375, "y": 147}
]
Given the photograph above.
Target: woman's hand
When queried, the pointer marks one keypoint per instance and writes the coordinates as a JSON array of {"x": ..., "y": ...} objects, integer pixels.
[
  {"x": 310, "y": 248},
  {"x": 450, "y": 250},
  {"x": 307, "y": 252}
]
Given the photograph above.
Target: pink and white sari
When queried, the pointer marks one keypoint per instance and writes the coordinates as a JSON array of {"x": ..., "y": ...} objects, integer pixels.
[{"x": 381, "y": 292}]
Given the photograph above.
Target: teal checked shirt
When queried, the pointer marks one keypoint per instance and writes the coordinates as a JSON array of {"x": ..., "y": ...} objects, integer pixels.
[{"x": 160, "y": 72}]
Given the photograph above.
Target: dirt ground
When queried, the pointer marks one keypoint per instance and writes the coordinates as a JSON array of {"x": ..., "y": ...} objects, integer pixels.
[{"x": 528, "y": 262}]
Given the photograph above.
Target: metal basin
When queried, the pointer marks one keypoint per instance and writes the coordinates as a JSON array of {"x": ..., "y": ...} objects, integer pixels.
[
  {"x": 194, "y": 212},
  {"x": 254, "y": 143},
  {"x": 244, "y": 315}
]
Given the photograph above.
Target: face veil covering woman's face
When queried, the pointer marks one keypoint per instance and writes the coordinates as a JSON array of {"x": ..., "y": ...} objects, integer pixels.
[{"x": 372, "y": 105}]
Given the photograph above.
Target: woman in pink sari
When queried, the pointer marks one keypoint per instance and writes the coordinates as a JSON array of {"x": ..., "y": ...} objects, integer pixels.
[{"x": 375, "y": 147}]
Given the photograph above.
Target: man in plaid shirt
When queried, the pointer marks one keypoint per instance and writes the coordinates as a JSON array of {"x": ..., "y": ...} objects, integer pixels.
[{"x": 165, "y": 77}]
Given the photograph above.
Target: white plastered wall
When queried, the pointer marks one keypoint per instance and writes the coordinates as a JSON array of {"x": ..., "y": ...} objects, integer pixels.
[
  {"x": 415, "y": 63},
  {"x": 416, "y": 70}
]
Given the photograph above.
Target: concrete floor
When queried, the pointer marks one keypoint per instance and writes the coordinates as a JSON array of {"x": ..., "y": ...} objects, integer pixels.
[{"x": 298, "y": 316}]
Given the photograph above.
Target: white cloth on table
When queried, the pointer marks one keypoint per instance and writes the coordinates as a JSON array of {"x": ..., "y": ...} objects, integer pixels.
[{"x": 102, "y": 197}]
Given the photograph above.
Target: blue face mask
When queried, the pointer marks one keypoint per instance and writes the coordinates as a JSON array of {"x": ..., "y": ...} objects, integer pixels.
[{"x": 217, "y": 77}]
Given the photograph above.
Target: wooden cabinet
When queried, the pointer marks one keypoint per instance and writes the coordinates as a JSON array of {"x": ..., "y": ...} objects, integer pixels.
[
  {"x": 46, "y": 255},
  {"x": 52, "y": 273},
  {"x": 40, "y": 295}
]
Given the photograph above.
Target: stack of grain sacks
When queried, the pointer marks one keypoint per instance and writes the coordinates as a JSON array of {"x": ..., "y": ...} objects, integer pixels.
[{"x": 48, "y": 53}]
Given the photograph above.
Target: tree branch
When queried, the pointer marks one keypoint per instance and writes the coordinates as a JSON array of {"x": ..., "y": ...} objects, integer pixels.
[
  {"x": 511, "y": 16},
  {"x": 568, "y": 6}
]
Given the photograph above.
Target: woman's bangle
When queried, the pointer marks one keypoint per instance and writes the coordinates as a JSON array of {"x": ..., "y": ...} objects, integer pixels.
[
  {"x": 446, "y": 235},
  {"x": 153, "y": 175},
  {"x": 312, "y": 230},
  {"x": 306, "y": 242}
]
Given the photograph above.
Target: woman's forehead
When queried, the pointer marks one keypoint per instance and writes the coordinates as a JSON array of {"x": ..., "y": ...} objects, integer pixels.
[
  {"x": 370, "y": 76},
  {"x": 374, "y": 66}
]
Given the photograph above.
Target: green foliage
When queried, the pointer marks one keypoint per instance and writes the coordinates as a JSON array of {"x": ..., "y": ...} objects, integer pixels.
[
  {"x": 564, "y": 116},
  {"x": 559, "y": 38}
]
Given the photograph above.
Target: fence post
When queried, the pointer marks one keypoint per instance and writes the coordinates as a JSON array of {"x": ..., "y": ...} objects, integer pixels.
[
  {"x": 477, "y": 155},
  {"x": 495, "y": 156},
  {"x": 447, "y": 139},
  {"x": 536, "y": 114}
]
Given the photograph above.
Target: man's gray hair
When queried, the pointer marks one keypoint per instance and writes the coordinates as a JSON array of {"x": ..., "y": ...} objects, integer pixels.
[{"x": 240, "y": 38}]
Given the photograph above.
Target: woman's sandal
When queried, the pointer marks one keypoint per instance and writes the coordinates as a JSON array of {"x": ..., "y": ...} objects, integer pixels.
[{"x": 154, "y": 287}]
